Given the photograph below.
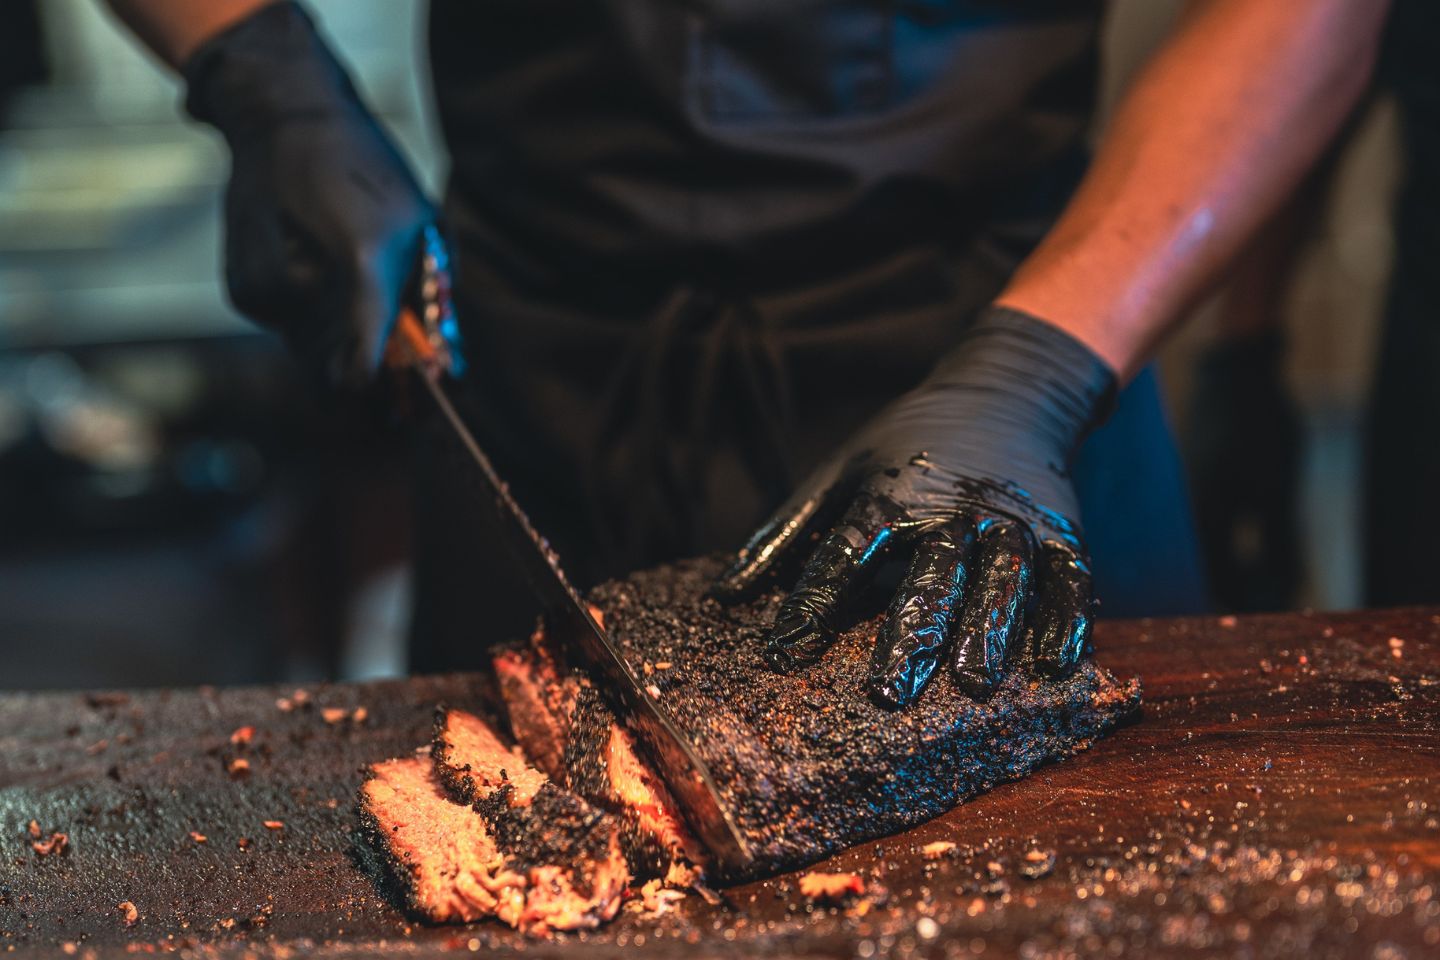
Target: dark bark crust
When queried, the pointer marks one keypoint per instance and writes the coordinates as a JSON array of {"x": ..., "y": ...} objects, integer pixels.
[
  {"x": 806, "y": 762},
  {"x": 554, "y": 827},
  {"x": 393, "y": 870},
  {"x": 587, "y": 773}
]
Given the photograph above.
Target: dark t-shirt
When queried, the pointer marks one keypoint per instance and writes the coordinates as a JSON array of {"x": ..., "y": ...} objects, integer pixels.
[{"x": 774, "y": 140}]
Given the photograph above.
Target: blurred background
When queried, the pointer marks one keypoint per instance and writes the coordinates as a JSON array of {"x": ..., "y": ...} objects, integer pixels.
[{"x": 176, "y": 509}]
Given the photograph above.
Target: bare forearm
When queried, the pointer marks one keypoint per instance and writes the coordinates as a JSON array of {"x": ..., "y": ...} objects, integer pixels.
[
  {"x": 1217, "y": 131},
  {"x": 173, "y": 29}
]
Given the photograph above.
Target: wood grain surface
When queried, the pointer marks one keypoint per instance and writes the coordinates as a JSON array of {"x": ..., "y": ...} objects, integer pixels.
[{"x": 1280, "y": 796}]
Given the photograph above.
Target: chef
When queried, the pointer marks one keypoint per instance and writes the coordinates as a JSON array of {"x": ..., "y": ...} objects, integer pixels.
[{"x": 851, "y": 262}]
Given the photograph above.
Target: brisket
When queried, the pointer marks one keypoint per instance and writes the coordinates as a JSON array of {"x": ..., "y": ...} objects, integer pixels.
[
  {"x": 473, "y": 764},
  {"x": 806, "y": 763},
  {"x": 475, "y": 832},
  {"x": 603, "y": 766},
  {"x": 556, "y": 713},
  {"x": 442, "y": 855},
  {"x": 540, "y": 698}
]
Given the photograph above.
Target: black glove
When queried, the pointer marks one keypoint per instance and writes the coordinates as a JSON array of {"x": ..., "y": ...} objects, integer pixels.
[
  {"x": 323, "y": 217},
  {"x": 968, "y": 475}
]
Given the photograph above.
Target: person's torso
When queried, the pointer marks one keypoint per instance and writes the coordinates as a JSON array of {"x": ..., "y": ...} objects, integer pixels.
[{"x": 777, "y": 140}]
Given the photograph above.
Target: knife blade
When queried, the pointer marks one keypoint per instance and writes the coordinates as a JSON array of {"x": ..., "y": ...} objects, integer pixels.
[{"x": 423, "y": 347}]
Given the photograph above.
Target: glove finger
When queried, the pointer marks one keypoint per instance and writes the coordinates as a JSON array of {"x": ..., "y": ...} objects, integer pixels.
[
  {"x": 307, "y": 269},
  {"x": 1064, "y": 612},
  {"x": 279, "y": 276},
  {"x": 264, "y": 253},
  {"x": 809, "y": 617},
  {"x": 994, "y": 609},
  {"x": 373, "y": 307},
  {"x": 808, "y": 509},
  {"x": 328, "y": 349},
  {"x": 921, "y": 618}
]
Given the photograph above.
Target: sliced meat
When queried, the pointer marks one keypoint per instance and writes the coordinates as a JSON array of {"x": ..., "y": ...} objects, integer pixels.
[
  {"x": 806, "y": 763},
  {"x": 540, "y": 696},
  {"x": 551, "y": 709},
  {"x": 475, "y": 832},
  {"x": 571, "y": 849},
  {"x": 601, "y": 765},
  {"x": 441, "y": 853},
  {"x": 472, "y": 763}
]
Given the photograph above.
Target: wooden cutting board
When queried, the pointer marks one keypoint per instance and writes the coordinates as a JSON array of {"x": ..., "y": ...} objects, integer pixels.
[{"x": 1279, "y": 797}]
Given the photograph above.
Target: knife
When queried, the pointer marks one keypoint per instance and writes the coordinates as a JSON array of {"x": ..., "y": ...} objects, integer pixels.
[{"x": 426, "y": 342}]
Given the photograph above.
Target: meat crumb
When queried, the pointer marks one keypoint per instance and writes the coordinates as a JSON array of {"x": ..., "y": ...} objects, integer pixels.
[
  {"x": 359, "y": 715},
  {"x": 334, "y": 715},
  {"x": 1037, "y": 863},
  {"x": 274, "y": 824},
  {"x": 1228, "y": 622},
  {"x": 242, "y": 736},
  {"x": 663, "y": 665},
  {"x": 34, "y": 829},
  {"x": 831, "y": 886},
  {"x": 295, "y": 701},
  {"x": 658, "y": 900},
  {"x": 860, "y": 909},
  {"x": 129, "y": 912},
  {"x": 238, "y": 767},
  {"x": 653, "y": 690},
  {"x": 936, "y": 850},
  {"x": 198, "y": 837},
  {"x": 243, "y": 843},
  {"x": 57, "y": 844}
]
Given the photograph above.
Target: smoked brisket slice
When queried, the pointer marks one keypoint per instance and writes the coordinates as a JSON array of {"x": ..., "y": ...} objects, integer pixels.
[
  {"x": 807, "y": 763},
  {"x": 535, "y": 820},
  {"x": 473, "y": 763},
  {"x": 556, "y": 713},
  {"x": 602, "y": 765},
  {"x": 475, "y": 832},
  {"x": 441, "y": 853},
  {"x": 540, "y": 698}
]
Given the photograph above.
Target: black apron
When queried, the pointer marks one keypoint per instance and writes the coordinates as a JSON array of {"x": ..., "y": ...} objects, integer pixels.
[{"x": 699, "y": 243}]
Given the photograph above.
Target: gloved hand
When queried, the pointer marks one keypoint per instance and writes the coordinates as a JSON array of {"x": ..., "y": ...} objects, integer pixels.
[
  {"x": 323, "y": 218},
  {"x": 967, "y": 474}
]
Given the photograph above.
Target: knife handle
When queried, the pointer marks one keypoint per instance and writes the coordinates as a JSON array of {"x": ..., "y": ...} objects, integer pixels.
[{"x": 410, "y": 345}]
